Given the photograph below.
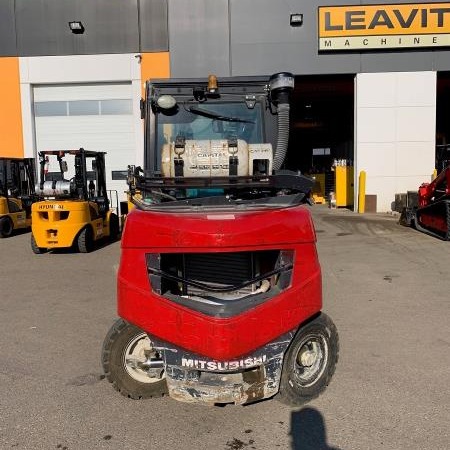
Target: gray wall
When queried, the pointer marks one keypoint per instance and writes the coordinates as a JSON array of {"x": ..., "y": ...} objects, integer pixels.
[
  {"x": 265, "y": 42},
  {"x": 260, "y": 40},
  {"x": 40, "y": 27},
  {"x": 225, "y": 37},
  {"x": 199, "y": 38},
  {"x": 153, "y": 25},
  {"x": 7, "y": 28}
]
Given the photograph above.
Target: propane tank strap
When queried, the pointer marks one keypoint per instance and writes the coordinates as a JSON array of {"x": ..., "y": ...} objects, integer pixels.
[
  {"x": 180, "y": 144},
  {"x": 233, "y": 160},
  {"x": 179, "y": 167},
  {"x": 232, "y": 145},
  {"x": 233, "y": 166}
]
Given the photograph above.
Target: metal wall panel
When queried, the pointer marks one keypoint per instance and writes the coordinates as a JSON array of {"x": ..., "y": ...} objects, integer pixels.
[
  {"x": 110, "y": 27},
  {"x": 262, "y": 40},
  {"x": 7, "y": 29},
  {"x": 227, "y": 37},
  {"x": 401, "y": 61},
  {"x": 441, "y": 60},
  {"x": 199, "y": 38},
  {"x": 153, "y": 25}
]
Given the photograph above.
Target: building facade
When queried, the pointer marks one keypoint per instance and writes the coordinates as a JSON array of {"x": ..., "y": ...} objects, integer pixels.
[{"x": 372, "y": 78}]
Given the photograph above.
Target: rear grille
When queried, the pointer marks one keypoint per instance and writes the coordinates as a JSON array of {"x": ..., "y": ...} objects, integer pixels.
[
  {"x": 219, "y": 268},
  {"x": 226, "y": 275},
  {"x": 220, "y": 284}
]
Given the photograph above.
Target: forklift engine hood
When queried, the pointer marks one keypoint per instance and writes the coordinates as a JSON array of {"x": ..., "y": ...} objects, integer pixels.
[
  {"x": 218, "y": 229},
  {"x": 219, "y": 283}
]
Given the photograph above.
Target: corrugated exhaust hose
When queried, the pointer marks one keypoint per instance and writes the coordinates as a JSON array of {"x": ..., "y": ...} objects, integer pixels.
[
  {"x": 283, "y": 135},
  {"x": 280, "y": 86}
]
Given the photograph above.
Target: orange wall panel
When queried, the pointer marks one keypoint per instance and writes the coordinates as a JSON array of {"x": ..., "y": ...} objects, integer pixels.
[
  {"x": 153, "y": 66},
  {"x": 11, "y": 137}
]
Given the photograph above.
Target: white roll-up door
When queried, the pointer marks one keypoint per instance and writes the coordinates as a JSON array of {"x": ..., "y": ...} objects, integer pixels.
[{"x": 93, "y": 116}]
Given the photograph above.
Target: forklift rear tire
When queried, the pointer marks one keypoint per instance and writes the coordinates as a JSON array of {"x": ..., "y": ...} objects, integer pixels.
[
  {"x": 126, "y": 350},
  {"x": 85, "y": 241},
  {"x": 37, "y": 250},
  {"x": 6, "y": 227},
  {"x": 310, "y": 362}
]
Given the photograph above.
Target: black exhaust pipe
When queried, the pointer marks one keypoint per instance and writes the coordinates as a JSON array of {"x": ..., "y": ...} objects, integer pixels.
[{"x": 280, "y": 87}]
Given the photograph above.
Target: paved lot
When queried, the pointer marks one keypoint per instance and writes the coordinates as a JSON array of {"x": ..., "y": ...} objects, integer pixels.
[{"x": 386, "y": 287}]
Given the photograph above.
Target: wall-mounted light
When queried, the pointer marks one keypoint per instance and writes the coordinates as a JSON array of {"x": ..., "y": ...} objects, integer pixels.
[
  {"x": 296, "y": 20},
  {"x": 76, "y": 27}
]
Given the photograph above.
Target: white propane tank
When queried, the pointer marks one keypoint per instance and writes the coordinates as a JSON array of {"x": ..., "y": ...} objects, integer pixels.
[
  {"x": 211, "y": 158},
  {"x": 55, "y": 189}
]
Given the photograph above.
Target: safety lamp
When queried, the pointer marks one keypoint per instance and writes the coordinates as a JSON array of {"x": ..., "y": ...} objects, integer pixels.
[
  {"x": 212, "y": 84},
  {"x": 166, "y": 102}
]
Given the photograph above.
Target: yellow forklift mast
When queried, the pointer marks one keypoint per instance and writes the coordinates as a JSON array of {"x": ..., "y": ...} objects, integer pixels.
[
  {"x": 74, "y": 210},
  {"x": 16, "y": 194}
]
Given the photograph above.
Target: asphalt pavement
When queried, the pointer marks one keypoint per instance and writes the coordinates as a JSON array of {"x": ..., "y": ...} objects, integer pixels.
[{"x": 386, "y": 287}]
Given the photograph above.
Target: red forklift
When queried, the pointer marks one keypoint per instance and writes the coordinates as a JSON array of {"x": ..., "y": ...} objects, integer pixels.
[
  {"x": 428, "y": 210},
  {"x": 219, "y": 286}
]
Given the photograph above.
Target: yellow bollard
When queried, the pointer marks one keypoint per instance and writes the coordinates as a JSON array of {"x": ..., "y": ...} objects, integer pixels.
[{"x": 362, "y": 192}]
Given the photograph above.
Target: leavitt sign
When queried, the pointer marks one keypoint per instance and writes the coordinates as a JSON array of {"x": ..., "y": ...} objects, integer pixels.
[{"x": 379, "y": 27}]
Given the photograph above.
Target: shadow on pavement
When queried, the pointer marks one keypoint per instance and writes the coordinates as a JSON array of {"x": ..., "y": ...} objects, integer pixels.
[{"x": 308, "y": 431}]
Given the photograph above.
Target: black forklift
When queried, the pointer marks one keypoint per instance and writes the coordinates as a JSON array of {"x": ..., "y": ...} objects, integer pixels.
[{"x": 16, "y": 194}]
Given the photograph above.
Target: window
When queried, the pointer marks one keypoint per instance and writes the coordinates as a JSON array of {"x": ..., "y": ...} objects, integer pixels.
[
  {"x": 122, "y": 106},
  {"x": 83, "y": 108},
  {"x": 42, "y": 109},
  {"x": 236, "y": 121}
]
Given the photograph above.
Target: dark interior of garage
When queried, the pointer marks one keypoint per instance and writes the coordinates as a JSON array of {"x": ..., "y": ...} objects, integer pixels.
[
  {"x": 322, "y": 126},
  {"x": 322, "y": 116},
  {"x": 443, "y": 120}
]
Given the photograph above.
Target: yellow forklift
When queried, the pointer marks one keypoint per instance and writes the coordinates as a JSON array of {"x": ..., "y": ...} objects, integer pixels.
[
  {"x": 74, "y": 210},
  {"x": 16, "y": 194}
]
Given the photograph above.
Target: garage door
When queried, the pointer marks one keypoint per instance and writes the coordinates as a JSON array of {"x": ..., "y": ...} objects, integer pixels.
[{"x": 93, "y": 116}]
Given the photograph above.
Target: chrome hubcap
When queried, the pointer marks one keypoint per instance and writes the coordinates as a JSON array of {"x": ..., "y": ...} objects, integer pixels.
[
  {"x": 311, "y": 360},
  {"x": 141, "y": 361}
]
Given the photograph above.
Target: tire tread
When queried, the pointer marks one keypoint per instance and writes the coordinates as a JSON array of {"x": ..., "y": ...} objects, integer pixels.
[
  {"x": 120, "y": 326},
  {"x": 6, "y": 221},
  {"x": 36, "y": 250},
  {"x": 85, "y": 240},
  {"x": 286, "y": 394}
]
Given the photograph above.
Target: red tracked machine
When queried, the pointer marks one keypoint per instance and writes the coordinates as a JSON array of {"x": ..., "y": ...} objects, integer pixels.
[
  {"x": 219, "y": 284},
  {"x": 429, "y": 210}
]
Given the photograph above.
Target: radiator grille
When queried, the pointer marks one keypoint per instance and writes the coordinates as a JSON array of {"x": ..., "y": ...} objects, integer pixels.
[
  {"x": 202, "y": 273},
  {"x": 220, "y": 284},
  {"x": 220, "y": 268}
]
